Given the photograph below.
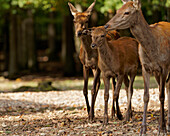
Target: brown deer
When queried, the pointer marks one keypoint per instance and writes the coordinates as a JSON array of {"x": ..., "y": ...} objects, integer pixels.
[
  {"x": 154, "y": 52},
  {"x": 118, "y": 59},
  {"x": 89, "y": 57}
]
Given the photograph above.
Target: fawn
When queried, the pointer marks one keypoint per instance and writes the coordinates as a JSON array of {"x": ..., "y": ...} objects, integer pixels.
[{"x": 118, "y": 59}]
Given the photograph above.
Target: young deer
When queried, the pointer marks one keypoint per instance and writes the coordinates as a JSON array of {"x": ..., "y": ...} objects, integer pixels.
[
  {"x": 88, "y": 57},
  {"x": 154, "y": 52},
  {"x": 118, "y": 59}
]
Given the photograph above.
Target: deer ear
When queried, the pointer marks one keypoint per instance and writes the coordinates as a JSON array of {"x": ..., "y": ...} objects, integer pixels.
[
  {"x": 125, "y": 1},
  {"x": 72, "y": 9},
  {"x": 90, "y": 8},
  {"x": 137, "y": 4}
]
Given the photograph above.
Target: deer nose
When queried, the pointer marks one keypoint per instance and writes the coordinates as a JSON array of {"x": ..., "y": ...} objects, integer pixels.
[
  {"x": 106, "y": 26},
  {"x": 93, "y": 45},
  {"x": 79, "y": 33}
]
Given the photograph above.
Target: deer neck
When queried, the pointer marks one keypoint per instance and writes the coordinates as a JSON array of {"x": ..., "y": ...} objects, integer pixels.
[
  {"x": 105, "y": 54},
  {"x": 145, "y": 36},
  {"x": 86, "y": 42},
  {"x": 90, "y": 54}
]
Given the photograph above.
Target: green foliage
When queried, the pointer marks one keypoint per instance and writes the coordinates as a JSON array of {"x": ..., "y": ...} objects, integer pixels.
[
  {"x": 110, "y": 6},
  {"x": 103, "y": 6},
  {"x": 168, "y": 3}
]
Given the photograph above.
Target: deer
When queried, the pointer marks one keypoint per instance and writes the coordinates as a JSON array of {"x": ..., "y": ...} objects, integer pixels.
[
  {"x": 117, "y": 59},
  {"x": 89, "y": 57},
  {"x": 154, "y": 53}
]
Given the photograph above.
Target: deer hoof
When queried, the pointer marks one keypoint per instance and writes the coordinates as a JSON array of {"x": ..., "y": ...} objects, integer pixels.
[
  {"x": 162, "y": 131},
  {"x": 91, "y": 118},
  {"x": 120, "y": 117},
  {"x": 143, "y": 130},
  {"x": 168, "y": 128},
  {"x": 127, "y": 117},
  {"x": 105, "y": 122},
  {"x": 112, "y": 115}
]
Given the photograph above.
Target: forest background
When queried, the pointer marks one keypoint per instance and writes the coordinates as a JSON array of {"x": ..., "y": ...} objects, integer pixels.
[{"x": 38, "y": 35}]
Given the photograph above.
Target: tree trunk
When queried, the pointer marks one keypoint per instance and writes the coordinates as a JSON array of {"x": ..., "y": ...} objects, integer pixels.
[
  {"x": 13, "y": 65},
  {"x": 51, "y": 37},
  {"x": 21, "y": 55},
  {"x": 68, "y": 48},
  {"x": 6, "y": 42},
  {"x": 168, "y": 14},
  {"x": 32, "y": 57},
  {"x": 23, "y": 47}
]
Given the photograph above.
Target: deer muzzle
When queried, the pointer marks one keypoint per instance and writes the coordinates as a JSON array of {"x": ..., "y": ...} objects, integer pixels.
[
  {"x": 79, "y": 33},
  {"x": 106, "y": 26},
  {"x": 93, "y": 45}
]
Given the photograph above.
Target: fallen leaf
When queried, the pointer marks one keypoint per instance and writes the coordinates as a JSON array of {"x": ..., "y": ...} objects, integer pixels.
[
  {"x": 18, "y": 79},
  {"x": 139, "y": 123}
]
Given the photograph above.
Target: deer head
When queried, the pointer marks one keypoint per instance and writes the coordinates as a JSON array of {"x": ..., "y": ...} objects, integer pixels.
[
  {"x": 98, "y": 36},
  {"x": 126, "y": 16},
  {"x": 81, "y": 19}
]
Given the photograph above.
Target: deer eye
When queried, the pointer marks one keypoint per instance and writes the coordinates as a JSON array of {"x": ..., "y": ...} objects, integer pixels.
[
  {"x": 102, "y": 35},
  {"x": 126, "y": 13}
]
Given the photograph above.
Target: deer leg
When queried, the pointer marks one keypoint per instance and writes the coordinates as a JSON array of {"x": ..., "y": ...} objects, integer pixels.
[
  {"x": 168, "y": 91},
  {"x": 85, "y": 89},
  {"x": 130, "y": 93},
  {"x": 98, "y": 85},
  {"x": 162, "y": 126},
  {"x": 146, "y": 77},
  {"x": 106, "y": 98},
  {"x": 97, "y": 82},
  {"x": 118, "y": 112},
  {"x": 113, "y": 106},
  {"x": 116, "y": 95},
  {"x": 118, "y": 86},
  {"x": 126, "y": 82},
  {"x": 94, "y": 92}
]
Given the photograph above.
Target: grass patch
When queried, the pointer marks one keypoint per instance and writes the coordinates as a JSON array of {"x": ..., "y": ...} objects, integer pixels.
[
  {"x": 66, "y": 84},
  {"x": 77, "y": 84}
]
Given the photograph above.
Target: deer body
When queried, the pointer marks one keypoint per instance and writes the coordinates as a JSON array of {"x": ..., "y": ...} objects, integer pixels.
[
  {"x": 88, "y": 57},
  {"x": 154, "y": 39},
  {"x": 113, "y": 58},
  {"x": 154, "y": 52},
  {"x": 117, "y": 58}
]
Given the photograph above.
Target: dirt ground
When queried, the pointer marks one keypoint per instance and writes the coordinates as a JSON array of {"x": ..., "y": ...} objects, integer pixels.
[{"x": 64, "y": 113}]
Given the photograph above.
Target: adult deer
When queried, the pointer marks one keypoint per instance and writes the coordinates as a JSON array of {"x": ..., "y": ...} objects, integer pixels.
[
  {"x": 117, "y": 59},
  {"x": 89, "y": 57},
  {"x": 154, "y": 52}
]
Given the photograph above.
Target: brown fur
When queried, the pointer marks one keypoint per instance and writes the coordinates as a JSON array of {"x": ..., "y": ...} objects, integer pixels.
[
  {"x": 154, "y": 52},
  {"x": 88, "y": 57},
  {"x": 117, "y": 58},
  {"x": 112, "y": 35}
]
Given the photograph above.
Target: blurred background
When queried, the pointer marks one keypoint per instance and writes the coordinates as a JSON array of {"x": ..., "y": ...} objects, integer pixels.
[{"x": 37, "y": 36}]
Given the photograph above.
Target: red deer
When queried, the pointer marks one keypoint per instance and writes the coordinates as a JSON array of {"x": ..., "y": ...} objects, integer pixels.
[
  {"x": 117, "y": 59},
  {"x": 89, "y": 57},
  {"x": 154, "y": 52}
]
